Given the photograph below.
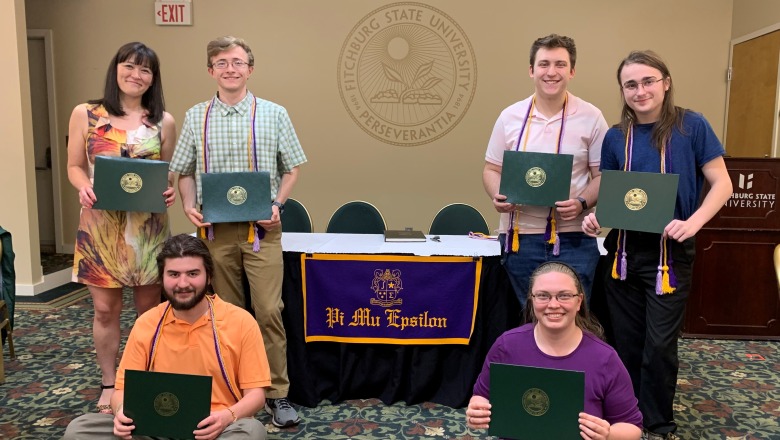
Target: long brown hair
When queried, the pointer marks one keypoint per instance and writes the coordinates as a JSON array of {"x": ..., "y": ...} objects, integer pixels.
[
  {"x": 671, "y": 115},
  {"x": 583, "y": 319}
]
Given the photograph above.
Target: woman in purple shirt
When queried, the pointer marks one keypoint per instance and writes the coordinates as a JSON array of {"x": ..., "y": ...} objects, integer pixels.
[{"x": 562, "y": 335}]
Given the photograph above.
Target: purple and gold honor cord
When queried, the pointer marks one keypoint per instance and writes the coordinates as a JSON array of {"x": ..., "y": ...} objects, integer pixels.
[
  {"x": 512, "y": 243},
  {"x": 217, "y": 345},
  {"x": 665, "y": 281},
  {"x": 255, "y": 232}
]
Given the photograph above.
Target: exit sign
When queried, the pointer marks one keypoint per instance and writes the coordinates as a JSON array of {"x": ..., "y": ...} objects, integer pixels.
[{"x": 173, "y": 13}]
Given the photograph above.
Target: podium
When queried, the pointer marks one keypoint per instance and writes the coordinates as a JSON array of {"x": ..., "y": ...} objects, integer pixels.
[{"x": 734, "y": 293}]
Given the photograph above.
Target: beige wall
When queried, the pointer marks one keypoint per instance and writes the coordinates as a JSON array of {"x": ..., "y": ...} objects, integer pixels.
[
  {"x": 297, "y": 45},
  {"x": 752, "y": 15},
  {"x": 19, "y": 212}
]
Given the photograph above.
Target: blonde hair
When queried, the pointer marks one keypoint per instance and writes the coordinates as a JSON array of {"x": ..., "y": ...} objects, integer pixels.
[{"x": 221, "y": 44}]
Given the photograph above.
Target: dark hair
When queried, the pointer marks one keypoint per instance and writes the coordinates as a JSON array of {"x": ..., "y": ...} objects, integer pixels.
[
  {"x": 671, "y": 115},
  {"x": 584, "y": 320},
  {"x": 554, "y": 41},
  {"x": 221, "y": 44},
  {"x": 152, "y": 101},
  {"x": 184, "y": 245}
]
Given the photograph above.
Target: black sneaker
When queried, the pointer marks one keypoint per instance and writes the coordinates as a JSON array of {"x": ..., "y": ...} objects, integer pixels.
[{"x": 283, "y": 413}]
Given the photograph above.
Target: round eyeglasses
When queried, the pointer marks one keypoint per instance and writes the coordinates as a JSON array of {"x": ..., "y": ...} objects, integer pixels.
[{"x": 633, "y": 86}]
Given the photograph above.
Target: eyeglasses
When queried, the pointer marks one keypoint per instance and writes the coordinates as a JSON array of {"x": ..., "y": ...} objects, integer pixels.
[
  {"x": 563, "y": 298},
  {"x": 223, "y": 64},
  {"x": 633, "y": 86}
]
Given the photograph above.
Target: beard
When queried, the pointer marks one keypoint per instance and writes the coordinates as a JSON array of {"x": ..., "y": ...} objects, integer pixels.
[{"x": 185, "y": 305}]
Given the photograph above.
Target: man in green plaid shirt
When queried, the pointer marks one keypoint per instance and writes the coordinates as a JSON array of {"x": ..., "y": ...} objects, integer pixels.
[{"x": 218, "y": 136}]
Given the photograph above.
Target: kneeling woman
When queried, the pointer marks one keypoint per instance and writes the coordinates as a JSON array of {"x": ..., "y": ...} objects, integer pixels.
[{"x": 562, "y": 335}]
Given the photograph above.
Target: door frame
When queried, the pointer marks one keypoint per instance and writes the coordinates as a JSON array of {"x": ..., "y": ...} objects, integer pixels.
[
  {"x": 48, "y": 41},
  {"x": 776, "y": 128}
]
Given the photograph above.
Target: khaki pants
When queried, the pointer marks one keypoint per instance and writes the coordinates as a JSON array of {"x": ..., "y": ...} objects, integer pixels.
[
  {"x": 233, "y": 256},
  {"x": 95, "y": 426}
]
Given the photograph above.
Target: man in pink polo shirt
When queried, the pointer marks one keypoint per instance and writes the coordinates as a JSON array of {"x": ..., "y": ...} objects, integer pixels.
[{"x": 552, "y": 120}]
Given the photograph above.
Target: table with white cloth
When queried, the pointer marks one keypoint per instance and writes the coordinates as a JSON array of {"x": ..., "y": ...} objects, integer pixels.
[{"x": 440, "y": 373}]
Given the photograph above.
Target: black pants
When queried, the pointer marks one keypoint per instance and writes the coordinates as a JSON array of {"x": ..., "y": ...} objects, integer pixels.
[{"x": 647, "y": 325}]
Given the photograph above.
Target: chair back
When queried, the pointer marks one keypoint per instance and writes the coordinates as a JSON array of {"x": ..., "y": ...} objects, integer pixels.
[
  {"x": 458, "y": 219},
  {"x": 296, "y": 217},
  {"x": 357, "y": 217}
]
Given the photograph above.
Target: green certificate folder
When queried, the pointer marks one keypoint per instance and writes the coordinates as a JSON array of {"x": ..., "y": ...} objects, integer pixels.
[
  {"x": 125, "y": 184},
  {"x": 166, "y": 404},
  {"x": 403, "y": 235},
  {"x": 636, "y": 201},
  {"x": 539, "y": 179},
  {"x": 530, "y": 403},
  {"x": 236, "y": 197}
]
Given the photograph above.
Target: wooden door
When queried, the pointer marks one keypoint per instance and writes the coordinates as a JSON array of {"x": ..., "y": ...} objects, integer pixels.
[{"x": 752, "y": 94}]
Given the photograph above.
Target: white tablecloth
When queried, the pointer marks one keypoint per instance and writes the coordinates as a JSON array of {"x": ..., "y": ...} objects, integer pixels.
[{"x": 455, "y": 245}]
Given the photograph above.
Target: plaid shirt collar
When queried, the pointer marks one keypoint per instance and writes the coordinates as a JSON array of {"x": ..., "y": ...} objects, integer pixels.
[{"x": 242, "y": 108}]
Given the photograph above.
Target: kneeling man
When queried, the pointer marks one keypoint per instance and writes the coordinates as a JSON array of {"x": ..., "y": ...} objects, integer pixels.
[{"x": 179, "y": 336}]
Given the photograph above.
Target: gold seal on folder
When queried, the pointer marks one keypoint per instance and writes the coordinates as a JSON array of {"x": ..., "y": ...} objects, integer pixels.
[
  {"x": 635, "y": 199},
  {"x": 236, "y": 195},
  {"x": 131, "y": 182}
]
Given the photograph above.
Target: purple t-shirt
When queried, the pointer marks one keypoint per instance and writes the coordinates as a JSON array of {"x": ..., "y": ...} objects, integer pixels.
[{"x": 608, "y": 390}]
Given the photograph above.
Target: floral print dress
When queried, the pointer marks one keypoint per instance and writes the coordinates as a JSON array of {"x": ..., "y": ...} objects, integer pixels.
[{"x": 118, "y": 248}]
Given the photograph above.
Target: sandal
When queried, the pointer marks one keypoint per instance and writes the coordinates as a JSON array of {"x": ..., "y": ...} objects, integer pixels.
[{"x": 105, "y": 409}]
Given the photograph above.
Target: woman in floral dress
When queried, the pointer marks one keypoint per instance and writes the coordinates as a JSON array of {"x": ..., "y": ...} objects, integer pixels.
[{"x": 115, "y": 249}]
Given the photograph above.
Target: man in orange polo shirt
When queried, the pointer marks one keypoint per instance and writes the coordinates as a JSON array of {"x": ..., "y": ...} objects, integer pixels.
[{"x": 185, "y": 344}]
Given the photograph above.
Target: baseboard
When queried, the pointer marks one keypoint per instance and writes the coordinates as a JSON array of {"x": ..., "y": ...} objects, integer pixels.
[
  {"x": 49, "y": 282},
  {"x": 58, "y": 297}
]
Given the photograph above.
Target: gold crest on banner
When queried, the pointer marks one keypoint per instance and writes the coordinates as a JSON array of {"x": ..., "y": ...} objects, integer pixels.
[{"x": 386, "y": 285}]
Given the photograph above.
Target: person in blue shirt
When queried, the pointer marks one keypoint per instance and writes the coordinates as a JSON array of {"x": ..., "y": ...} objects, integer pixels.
[{"x": 651, "y": 273}]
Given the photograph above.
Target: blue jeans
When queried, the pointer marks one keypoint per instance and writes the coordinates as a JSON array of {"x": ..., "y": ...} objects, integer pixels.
[{"x": 577, "y": 250}]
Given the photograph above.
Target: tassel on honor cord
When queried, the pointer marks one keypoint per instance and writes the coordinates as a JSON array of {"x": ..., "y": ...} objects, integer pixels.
[
  {"x": 619, "y": 269},
  {"x": 551, "y": 233},
  {"x": 665, "y": 281},
  {"x": 256, "y": 233},
  {"x": 207, "y": 232}
]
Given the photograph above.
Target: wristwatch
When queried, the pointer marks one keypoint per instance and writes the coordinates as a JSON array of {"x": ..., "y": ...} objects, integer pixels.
[
  {"x": 279, "y": 205},
  {"x": 583, "y": 202}
]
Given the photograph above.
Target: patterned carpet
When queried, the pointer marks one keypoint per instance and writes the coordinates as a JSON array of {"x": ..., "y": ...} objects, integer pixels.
[{"x": 726, "y": 390}]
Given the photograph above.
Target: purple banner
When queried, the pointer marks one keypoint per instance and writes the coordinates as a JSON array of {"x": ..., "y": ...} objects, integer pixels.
[{"x": 390, "y": 299}]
